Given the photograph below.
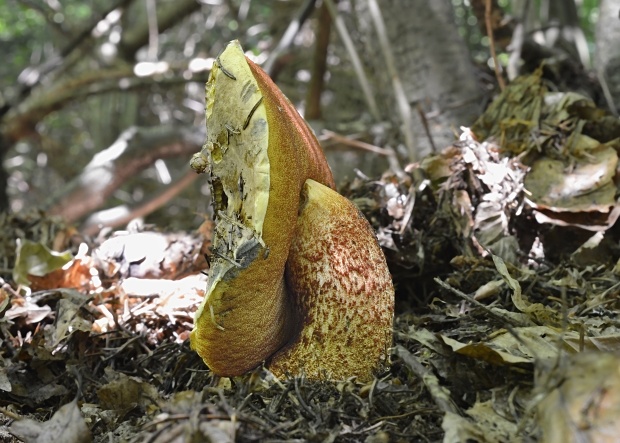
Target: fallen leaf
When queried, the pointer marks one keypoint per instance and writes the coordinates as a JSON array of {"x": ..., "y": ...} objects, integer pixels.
[
  {"x": 70, "y": 318},
  {"x": 497, "y": 427},
  {"x": 125, "y": 392},
  {"x": 587, "y": 185},
  {"x": 581, "y": 400},
  {"x": 458, "y": 429},
  {"x": 36, "y": 259},
  {"x": 66, "y": 425}
]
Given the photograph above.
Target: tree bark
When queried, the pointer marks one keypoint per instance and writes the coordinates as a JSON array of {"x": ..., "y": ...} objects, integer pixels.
[
  {"x": 433, "y": 64},
  {"x": 319, "y": 64}
]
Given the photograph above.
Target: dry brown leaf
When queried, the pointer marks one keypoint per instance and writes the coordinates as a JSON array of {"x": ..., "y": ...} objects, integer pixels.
[
  {"x": 75, "y": 274},
  {"x": 126, "y": 392}
]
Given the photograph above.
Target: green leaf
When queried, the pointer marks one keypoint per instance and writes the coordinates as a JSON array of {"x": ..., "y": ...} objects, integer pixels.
[{"x": 36, "y": 259}]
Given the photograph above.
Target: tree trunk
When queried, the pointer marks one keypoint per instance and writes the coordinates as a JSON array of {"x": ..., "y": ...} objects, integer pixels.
[{"x": 432, "y": 63}]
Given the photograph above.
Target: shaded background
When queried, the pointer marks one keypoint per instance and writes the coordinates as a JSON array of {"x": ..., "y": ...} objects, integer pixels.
[{"x": 102, "y": 104}]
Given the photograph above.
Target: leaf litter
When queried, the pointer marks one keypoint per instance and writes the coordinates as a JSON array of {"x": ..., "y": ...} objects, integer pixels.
[{"x": 505, "y": 257}]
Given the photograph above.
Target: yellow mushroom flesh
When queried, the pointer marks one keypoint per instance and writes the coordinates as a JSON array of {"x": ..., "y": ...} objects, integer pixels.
[{"x": 259, "y": 154}]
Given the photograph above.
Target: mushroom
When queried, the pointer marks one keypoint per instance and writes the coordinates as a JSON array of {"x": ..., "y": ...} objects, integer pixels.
[{"x": 297, "y": 281}]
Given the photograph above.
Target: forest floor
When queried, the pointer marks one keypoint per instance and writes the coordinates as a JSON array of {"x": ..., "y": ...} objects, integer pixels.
[{"x": 505, "y": 263}]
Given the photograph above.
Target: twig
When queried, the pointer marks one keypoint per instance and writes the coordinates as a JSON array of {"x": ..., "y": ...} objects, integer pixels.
[
  {"x": 515, "y": 47},
  {"x": 427, "y": 128},
  {"x": 356, "y": 143},
  {"x": 355, "y": 59},
  {"x": 232, "y": 7},
  {"x": 242, "y": 12},
  {"x": 602, "y": 79},
  {"x": 136, "y": 149},
  {"x": 489, "y": 26},
  {"x": 467, "y": 298},
  {"x": 150, "y": 206},
  {"x": 21, "y": 122},
  {"x": 80, "y": 39},
  {"x": 10, "y": 414},
  {"x": 440, "y": 395},
  {"x": 48, "y": 13},
  {"x": 388, "y": 151},
  {"x": 399, "y": 91}
]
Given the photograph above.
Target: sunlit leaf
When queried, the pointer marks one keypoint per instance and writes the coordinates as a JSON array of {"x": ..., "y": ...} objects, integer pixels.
[{"x": 36, "y": 259}]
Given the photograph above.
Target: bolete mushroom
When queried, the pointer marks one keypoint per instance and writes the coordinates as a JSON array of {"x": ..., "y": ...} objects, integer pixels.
[{"x": 297, "y": 279}]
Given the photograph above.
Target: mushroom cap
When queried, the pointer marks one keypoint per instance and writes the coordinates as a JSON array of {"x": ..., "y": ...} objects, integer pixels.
[
  {"x": 259, "y": 152},
  {"x": 345, "y": 296}
]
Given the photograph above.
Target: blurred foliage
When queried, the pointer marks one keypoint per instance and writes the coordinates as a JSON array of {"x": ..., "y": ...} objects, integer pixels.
[
  {"x": 21, "y": 31},
  {"x": 478, "y": 43},
  {"x": 33, "y": 34},
  {"x": 31, "y": 31}
]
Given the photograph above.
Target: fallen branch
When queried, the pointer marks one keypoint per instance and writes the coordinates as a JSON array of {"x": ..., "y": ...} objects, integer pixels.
[
  {"x": 135, "y": 150},
  {"x": 94, "y": 225}
]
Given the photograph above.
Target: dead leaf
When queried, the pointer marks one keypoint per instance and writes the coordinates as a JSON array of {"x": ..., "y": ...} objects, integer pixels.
[
  {"x": 485, "y": 352},
  {"x": 124, "y": 392},
  {"x": 586, "y": 185},
  {"x": 458, "y": 429},
  {"x": 26, "y": 308},
  {"x": 581, "y": 400},
  {"x": 496, "y": 426},
  {"x": 536, "y": 311},
  {"x": 70, "y": 317},
  {"x": 75, "y": 274},
  {"x": 5, "y": 383},
  {"x": 515, "y": 114},
  {"x": 66, "y": 425}
]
